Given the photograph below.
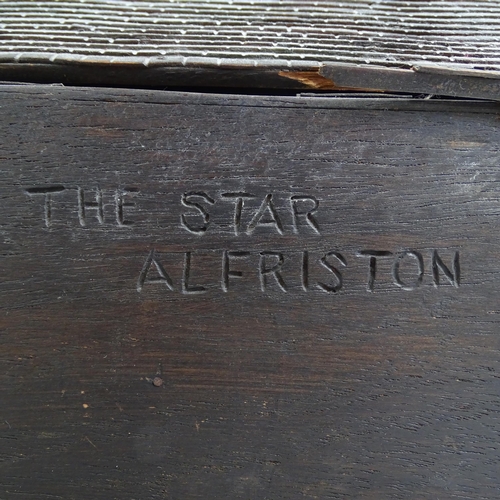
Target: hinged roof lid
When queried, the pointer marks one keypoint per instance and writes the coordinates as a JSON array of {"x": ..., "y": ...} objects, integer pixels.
[{"x": 255, "y": 43}]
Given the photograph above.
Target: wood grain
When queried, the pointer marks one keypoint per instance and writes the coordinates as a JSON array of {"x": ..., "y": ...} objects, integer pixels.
[{"x": 262, "y": 388}]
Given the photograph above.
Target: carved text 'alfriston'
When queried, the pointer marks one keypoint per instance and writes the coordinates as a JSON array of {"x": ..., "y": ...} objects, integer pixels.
[{"x": 270, "y": 272}]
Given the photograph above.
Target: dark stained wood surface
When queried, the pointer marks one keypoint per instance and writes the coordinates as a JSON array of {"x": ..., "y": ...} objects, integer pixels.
[
  {"x": 137, "y": 375},
  {"x": 157, "y": 44}
]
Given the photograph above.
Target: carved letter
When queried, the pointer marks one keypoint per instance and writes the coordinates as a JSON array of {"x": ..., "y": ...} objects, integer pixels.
[
  {"x": 186, "y": 201},
  {"x": 395, "y": 269},
  {"x": 162, "y": 277},
  {"x": 47, "y": 191},
  {"x": 373, "y": 254},
  {"x": 334, "y": 270},
  {"x": 186, "y": 287},
  {"x": 97, "y": 204},
  {"x": 226, "y": 271},
  {"x": 305, "y": 271},
  {"x": 295, "y": 201},
  {"x": 453, "y": 275},
  {"x": 267, "y": 205},
  {"x": 274, "y": 270},
  {"x": 119, "y": 204},
  {"x": 238, "y": 207}
]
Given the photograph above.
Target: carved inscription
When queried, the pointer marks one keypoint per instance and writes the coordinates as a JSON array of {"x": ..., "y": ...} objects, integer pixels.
[
  {"x": 273, "y": 274},
  {"x": 197, "y": 219},
  {"x": 273, "y": 270},
  {"x": 96, "y": 206},
  {"x": 89, "y": 204}
]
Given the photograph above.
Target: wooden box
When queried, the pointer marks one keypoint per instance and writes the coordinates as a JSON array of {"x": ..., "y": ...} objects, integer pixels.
[
  {"x": 215, "y": 296},
  {"x": 210, "y": 295}
]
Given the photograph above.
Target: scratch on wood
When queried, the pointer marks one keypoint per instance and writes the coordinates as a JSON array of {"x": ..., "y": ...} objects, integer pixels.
[{"x": 87, "y": 439}]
